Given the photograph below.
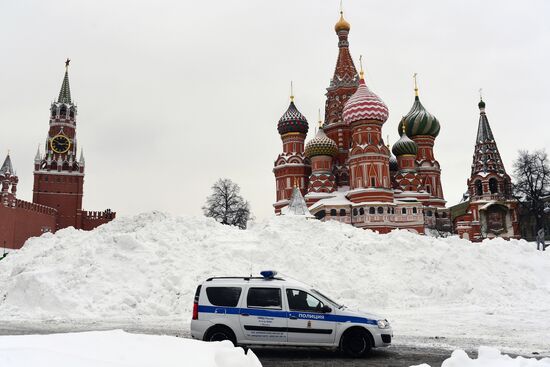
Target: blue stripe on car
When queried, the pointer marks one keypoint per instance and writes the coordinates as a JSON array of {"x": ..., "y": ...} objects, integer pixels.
[{"x": 286, "y": 314}]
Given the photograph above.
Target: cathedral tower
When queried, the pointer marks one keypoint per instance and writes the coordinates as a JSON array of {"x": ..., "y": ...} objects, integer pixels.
[
  {"x": 423, "y": 127},
  {"x": 321, "y": 150},
  {"x": 365, "y": 113},
  {"x": 291, "y": 165},
  {"x": 58, "y": 174},
  {"x": 342, "y": 85}
]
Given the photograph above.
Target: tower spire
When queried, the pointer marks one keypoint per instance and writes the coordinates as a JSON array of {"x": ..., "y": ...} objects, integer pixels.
[
  {"x": 291, "y": 92},
  {"x": 361, "y": 72},
  {"x": 415, "y": 85},
  {"x": 65, "y": 92}
]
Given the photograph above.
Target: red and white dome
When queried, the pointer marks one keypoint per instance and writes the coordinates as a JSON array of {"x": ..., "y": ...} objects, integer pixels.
[{"x": 364, "y": 105}]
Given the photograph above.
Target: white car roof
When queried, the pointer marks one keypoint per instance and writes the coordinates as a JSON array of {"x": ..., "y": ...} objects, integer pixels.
[{"x": 256, "y": 281}]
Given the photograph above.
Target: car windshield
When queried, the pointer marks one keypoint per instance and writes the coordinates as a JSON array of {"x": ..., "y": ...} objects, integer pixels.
[{"x": 326, "y": 298}]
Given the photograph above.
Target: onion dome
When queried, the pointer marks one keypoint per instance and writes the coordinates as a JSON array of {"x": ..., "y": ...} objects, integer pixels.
[
  {"x": 394, "y": 166},
  {"x": 364, "y": 105},
  {"x": 419, "y": 121},
  {"x": 292, "y": 121},
  {"x": 321, "y": 145},
  {"x": 481, "y": 104},
  {"x": 404, "y": 146},
  {"x": 342, "y": 24}
]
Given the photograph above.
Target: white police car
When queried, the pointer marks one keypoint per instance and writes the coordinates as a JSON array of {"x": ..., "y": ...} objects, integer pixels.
[{"x": 269, "y": 310}]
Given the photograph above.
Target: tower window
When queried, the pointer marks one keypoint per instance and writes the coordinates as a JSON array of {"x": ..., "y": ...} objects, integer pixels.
[
  {"x": 361, "y": 211},
  {"x": 493, "y": 185},
  {"x": 355, "y": 212},
  {"x": 403, "y": 210},
  {"x": 415, "y": 211},
  {"x": 333, "y": 212},
  {"x": 380, "y": 210},
  {"x": 373, "y": 181},
  {"x": 478, "y": 188},
  {"x": 372, "y": 210},
  {"x": 342, "y": 212}
]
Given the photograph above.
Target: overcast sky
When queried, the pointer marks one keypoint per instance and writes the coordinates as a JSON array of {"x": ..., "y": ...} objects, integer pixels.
[{"x": 175, "y": 94}]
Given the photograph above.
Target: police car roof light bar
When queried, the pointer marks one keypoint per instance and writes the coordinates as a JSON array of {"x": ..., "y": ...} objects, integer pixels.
[{"x": 268, "y": 274}]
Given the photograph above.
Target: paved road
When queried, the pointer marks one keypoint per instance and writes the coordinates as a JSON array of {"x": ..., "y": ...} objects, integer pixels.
[{"x": 387, "y": 357}]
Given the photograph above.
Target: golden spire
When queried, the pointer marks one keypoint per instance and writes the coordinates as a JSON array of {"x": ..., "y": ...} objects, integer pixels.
[
  {"x": 342, "y": 24},
  {"x": 320, "y": 122},
  {"x": 291, "y": 92},
  {"x": 361, "y": 73},
  {"x": 388, "y": 140},
  {"x": 415, "y": 85}
]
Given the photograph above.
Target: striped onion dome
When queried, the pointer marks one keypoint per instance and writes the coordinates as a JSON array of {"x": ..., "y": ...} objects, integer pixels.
[
  {"x": 393, "y": 163},
  {"x": 292, "y": 121},
  {"x": 364, "y": 105},
  {"x": 404, "y": 146},
  {"x": 419, "y": 121},
  {"x": 321, "y": 145}
]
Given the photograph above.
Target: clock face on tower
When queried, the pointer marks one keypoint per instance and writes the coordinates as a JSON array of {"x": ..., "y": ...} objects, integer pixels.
[{"x": 60, "y": 144}]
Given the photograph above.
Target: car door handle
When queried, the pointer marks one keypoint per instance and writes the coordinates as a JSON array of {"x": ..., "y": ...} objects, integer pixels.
[
  {"x": 245, "y": 314},
  {"x": 293, "y": 317}
]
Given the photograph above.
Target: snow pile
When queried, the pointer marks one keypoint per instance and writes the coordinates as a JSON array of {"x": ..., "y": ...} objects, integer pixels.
[
  {"x": 490, "y": 357},
  {"x": 117, "y": 348},
  {"x": 147, "y": 268}
]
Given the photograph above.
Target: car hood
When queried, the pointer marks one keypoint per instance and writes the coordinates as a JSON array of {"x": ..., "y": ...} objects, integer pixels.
[{"x": 361, "y": 313}]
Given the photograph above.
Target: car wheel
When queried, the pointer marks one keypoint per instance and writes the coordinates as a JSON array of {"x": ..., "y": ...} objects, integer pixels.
[
  {"x": 356, "y": 343},
  {"x": 220, "y": 333}
]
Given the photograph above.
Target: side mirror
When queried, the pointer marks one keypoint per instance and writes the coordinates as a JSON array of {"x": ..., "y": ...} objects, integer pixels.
[{"x": 326, "y": 309}]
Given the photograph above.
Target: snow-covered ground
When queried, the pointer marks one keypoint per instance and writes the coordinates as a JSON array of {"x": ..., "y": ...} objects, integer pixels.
[
  {"x": 118, "y": 348},
  {"x": 143, "y": 271},
  {"x": 490, "y": 357}
]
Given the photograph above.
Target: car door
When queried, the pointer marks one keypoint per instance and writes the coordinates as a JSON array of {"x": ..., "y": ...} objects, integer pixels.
[
  {"x": 263, "y": 320},
  {"x": 307, "y": 323}
]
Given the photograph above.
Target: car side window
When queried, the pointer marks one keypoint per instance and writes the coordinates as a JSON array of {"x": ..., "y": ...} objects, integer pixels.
[
  {"x": 224, "y": 296},
  {"x": 302, "y": 301},
  {"x": 264, "y": 298}
]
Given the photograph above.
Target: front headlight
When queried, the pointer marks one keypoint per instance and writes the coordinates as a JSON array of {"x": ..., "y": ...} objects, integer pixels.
[{"x": 383, "y": 324}]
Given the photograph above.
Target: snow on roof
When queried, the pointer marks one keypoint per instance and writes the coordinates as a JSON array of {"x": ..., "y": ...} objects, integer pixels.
[{"x": 337, "y": 198}]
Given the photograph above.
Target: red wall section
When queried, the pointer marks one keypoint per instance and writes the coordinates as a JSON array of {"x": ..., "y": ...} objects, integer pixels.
[{"x": 24, "y": 221}]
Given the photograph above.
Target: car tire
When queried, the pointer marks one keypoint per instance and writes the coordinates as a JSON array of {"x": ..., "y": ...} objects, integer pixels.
[
  {"x": 356, "y": 342},
  {"x": 219, "y": 333}
]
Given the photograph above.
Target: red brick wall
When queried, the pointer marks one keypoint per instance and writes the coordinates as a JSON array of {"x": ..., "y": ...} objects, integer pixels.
[{"x": 24, "y": 221}]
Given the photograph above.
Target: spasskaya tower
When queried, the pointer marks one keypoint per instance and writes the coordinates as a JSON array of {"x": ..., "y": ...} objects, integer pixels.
[{"x": 59, "y": 173}]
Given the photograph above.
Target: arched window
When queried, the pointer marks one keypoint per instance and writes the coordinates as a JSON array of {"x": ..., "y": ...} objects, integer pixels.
[
  {"x": 429, "y": 189},
  {"x": 333, "y": 212},
  {"x": 71, "y": 112},
  {"x": 320, "y": 214},
  {"x": 393, "y": 210},
  {"x": 372, "y": 210},
  {"x": 355, "y": 212},
  {"x": 429, "y": 213},
  {"x": 373, "y": 181},
  {"x": 63, "y": 111},
  {"x": 380, "y": 210},
  {"x": 493, "y": 185},
  {"x": 479, "y": 187},
  {"x": 389, "y": 210},
  {"x": 415, "y": 211},
  {"x": 361, "y": 211},
  {"x": 342, "y": 212},
  {"x": 54, "y": 111},
  {"x": 403, "y": 210},
  {"x": 444, "y": 215}
]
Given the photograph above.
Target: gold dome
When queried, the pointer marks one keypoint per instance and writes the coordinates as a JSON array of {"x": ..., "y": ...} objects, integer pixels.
[{"x": 342, "y": 24}]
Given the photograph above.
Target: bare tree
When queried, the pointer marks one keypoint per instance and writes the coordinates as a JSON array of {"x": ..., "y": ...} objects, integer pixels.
[
  {"x": 532, "y": 174},
  {"x": 226, "y": 205}
]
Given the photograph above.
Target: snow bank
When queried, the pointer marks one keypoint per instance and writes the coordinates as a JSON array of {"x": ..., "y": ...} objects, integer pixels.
[
  {"x": 490, "y": 357},
  {"x": 147, "y": 268},
  {"x": 118, "y": 348}
]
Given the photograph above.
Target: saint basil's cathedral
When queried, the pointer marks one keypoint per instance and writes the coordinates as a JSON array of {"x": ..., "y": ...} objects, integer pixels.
[
  {"x": 58, "y": 182},
  {"x": 349, "y": 174}
]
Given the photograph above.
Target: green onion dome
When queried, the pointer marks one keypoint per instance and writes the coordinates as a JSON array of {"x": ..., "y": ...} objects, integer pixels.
[
  {"x": 321, "y": 145},
  {"x": 292, "y": 121},
  {"x": 419, "y": 121},
  {"x": 404, "y": 146},
  {"x": 394, "y": 166}
]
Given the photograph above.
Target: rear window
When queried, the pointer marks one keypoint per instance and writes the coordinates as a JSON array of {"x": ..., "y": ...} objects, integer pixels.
[
  {"x": 264, "y": 298},
  {"x": 224, "y": 296}
]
